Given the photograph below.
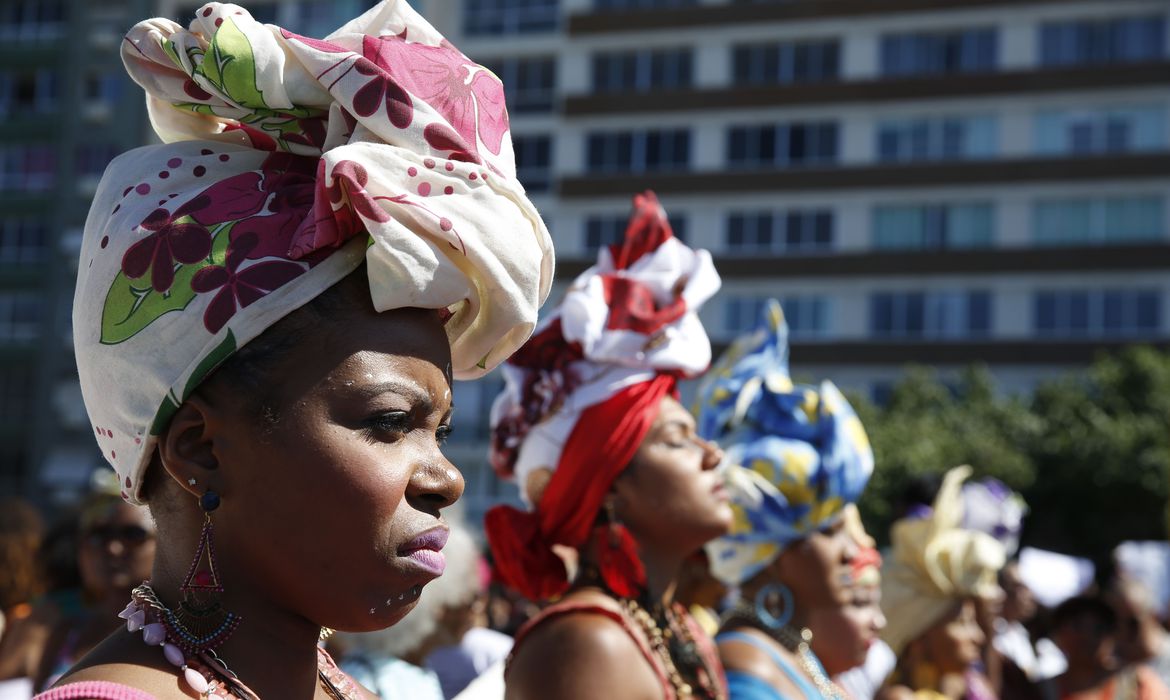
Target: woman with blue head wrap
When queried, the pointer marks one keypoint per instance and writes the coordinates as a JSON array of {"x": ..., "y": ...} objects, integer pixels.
[{"x": 799, "y": 456}]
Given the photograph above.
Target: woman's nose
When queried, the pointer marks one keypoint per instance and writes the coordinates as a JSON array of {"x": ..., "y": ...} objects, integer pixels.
[
  {"x": 435, "y": 485},
  {"x": 712, "y": 454}
]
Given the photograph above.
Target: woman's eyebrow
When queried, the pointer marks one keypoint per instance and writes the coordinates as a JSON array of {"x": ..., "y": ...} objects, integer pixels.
[{"x": 409, "y": 390}]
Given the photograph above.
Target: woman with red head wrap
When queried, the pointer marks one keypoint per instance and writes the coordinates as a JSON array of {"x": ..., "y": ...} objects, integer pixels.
[{"x": 619, "y": 484}]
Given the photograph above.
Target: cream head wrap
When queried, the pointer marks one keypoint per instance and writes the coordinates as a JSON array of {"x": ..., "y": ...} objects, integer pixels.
[
  {"x": 934, "y": 564},
  {"x": 287, "y": 163}
]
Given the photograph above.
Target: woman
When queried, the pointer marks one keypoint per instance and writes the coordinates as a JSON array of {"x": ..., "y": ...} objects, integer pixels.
[
  {"x": 115, "y": 551},
  {"x": 931, "y": 585},
  {"x": 269, "y": 311},
  {"x": 805, "y": 456},
  {"x": 22, "y": 631},
  {"x": 620, "y": 485}
]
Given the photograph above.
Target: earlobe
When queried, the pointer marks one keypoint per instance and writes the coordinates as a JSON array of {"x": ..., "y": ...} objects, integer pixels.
[{"x": 187, "y": 448}]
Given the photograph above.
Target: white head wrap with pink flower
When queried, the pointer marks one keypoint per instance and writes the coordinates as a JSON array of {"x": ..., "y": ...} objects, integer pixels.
[{"x": 287, "y": 163}]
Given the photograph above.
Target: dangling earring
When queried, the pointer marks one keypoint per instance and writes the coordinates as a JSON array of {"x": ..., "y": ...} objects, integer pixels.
[
  {"x": 764, "y": 598},
  {"x": 617, "y": 558},
  {"x": 200, "y": 623},
  {"x": 614, "y": 525}
]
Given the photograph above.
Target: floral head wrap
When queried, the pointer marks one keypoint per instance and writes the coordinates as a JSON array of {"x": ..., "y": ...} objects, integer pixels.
[
  {"x": 287, "y": 163},
  {"x": 990, "y": 506},
  {"x": 803, "y": 453},
  {"x": 933, "y": 564},
  {"x": 580, "y": 396}
]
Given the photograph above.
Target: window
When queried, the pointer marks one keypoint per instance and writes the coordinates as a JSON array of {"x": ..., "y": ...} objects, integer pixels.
[
  {"x": 611, "y": 5},
  {"x": 807, "y": 315},
  {"x": 796, "y": 230},
  {"x": 930, "y": 315},
  {"x": 610, "y": 229},
  {"x": 529, "y": 83},
  {"x": 782, "y": 145},
  {"x": 947, "y": 53},
  {"x": 16, "y": 393},
  {"x": 27, "y": 168},
  {"x": 1112, "y": 130},
  {"x": 501, "y": 17},
  {"x": 1089, "y": 221},
  {"x": 933, "y": 226},
  {"x": 23, "y": 240},
  {"x": 103, "y": 89},
  {"x": 533, "y": 162},
  {"x": 951, "y": 138},
  {"x": 1075, "y": 313},
  {"x": 1097, "y": 42},
  {"x": 641, "y": 71},
  {"x": 29, "y": 92},
  {"x": 786, "y": 63},
  {"x": 92, "y": 158},
  {"x": 638, "y": 151},
  {"x": 32, "y": 20},
  {"x": 20, "y": 316}
]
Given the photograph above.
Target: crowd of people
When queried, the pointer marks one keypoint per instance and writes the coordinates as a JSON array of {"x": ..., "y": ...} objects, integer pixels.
[{"x": 271, "y": 307}]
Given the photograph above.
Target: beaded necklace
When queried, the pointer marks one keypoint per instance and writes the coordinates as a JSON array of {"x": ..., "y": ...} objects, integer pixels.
[
  {"x": 799, "y": 643},
  {"x": 204, "y": 672},
  {"x": 672, "y": 641}
]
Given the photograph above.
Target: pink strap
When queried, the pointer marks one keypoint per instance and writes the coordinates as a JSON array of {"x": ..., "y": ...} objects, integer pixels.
[
  {"x": 94, "y": 690},
  {"x": 613, "y": 612}
]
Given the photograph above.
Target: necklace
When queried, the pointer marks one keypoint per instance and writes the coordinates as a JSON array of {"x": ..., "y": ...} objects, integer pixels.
[
  {"x": 673, "y": 632},
  {"x": 205, "y": 672},
  {"x": 799, "y": 643}
]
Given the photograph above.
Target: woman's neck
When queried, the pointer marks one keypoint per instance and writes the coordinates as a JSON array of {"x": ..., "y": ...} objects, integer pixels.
[{"x": 273, "y": 651}]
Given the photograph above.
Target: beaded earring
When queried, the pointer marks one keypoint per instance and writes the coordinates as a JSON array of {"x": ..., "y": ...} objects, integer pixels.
[{"x": 200, "y": 623}]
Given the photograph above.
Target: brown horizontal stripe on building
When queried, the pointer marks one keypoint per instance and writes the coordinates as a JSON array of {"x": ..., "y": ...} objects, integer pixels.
[{"x": 953, "y": 352}]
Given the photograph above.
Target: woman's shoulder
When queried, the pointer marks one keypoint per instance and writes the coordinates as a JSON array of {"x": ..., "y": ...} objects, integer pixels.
[
  {"x": 587, "y": 627},
  {"x": 747, "y": 651},
  {"x": 122, "y": 659}
]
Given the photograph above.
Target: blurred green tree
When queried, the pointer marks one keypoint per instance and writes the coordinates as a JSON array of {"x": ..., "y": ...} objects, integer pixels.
[{"x": 1090, "y": 452}]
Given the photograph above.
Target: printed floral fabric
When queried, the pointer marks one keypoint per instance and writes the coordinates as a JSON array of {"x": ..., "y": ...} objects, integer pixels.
[
  {"x": 631, "y": 316},
  {"x": 935, "y": 563},
  {"x": 798, "y": 454},
  {"x": 288, "y": 162}
]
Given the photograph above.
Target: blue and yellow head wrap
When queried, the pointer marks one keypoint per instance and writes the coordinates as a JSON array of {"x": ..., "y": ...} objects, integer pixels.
[{"x": 799, "y": 451}]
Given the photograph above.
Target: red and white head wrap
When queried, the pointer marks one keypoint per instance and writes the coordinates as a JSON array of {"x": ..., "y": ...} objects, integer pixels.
[{"x": 581, "y": 394}]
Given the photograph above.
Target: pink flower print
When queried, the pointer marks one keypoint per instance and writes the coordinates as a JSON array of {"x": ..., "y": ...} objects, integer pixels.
[
  {"x": 240, "y": 288},
  {"x": 289, "y": 183},
  {"x": 337, "y": 207},
  {"x": 168, "y": 243},
  {"x": 312, "y": 133},
  {"x": 232, "y": 199},
  {"x": 382, "y": 89},
  {"x": 467, "y": 96}
]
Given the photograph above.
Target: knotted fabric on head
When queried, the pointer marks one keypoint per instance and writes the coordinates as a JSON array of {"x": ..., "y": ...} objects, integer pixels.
[
  {"x": 935, "y": 564},
  {"x": 990, "y": 506},
  {"x": 580, "y": 396},
  {"x": 799, "y": 453},
  {"x": 287, "y": 163}
]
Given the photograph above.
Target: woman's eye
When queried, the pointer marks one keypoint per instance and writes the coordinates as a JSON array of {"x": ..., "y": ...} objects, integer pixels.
[
  {"x": 443, "y": 434},
  {"x": 394, "y": 421}
]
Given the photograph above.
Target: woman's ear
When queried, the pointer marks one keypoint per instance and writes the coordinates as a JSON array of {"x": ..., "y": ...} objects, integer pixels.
[{"x": 186, "y": 449}]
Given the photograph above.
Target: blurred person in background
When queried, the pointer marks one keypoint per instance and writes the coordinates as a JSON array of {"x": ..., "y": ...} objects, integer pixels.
[
  {"x": 615, "y": 475},
  {"x": 932, "y": 581},
  {"x": 21, "y": 581},
  {"x": 1037, "y": 658},
  {"x": 798, "y": 618},
  {"x": 1086, "y": 630},
  {"x": 115, "y": 553},
  {"x": 865, "y": 617},
  {"x": 394, "y": 662},
  {"x": 1141, "y": 638}
]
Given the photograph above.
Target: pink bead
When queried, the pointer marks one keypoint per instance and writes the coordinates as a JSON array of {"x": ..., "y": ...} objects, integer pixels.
[
  {"x": 174, "y": 654},
  {"x": 128, "y": 611},
  {"x": 195, "y": 680},
  {"x": 154, "y": 634},
  {"x": 136, "y": 621}
]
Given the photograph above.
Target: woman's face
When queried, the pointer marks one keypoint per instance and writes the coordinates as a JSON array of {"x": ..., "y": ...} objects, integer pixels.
[
  {"x": 843, "y": 635},
  {"x": 116, "y": 549},
  {"x": 671, "y": 495},
  {"x": 330, "y": 506},
  {"x": 818, "y": 569},
  {"x": 955, "y": 642}
]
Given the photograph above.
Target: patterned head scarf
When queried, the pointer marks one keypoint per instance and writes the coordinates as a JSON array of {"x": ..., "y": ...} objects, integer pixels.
[
  {"x": 801, "y": 452},
  {"x": 580, "y": 396},
  {"x": 287, "y": 163},
  {"x": 990, "y": 506},
  {"x": 934, "y": 563}
]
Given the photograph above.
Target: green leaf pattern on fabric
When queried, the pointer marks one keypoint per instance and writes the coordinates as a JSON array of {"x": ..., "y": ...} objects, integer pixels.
[
  {"x": 230, "y": 65},
  {"x": 132, "y": 304}
]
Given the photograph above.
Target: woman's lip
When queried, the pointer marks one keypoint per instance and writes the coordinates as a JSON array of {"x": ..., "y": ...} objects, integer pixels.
[
  {"x": 432, "y": 540},
  {"x": 720, "y": 492},
  {"x": 429, "y": 560}
]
